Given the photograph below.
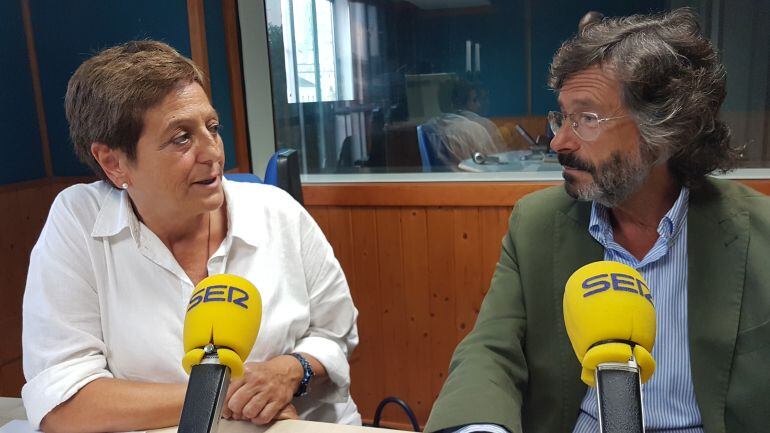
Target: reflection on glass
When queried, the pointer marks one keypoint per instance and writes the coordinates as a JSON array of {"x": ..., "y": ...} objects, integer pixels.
[
  {"x": 411, "y": 86},
  {"x": 309, "y": 50}
]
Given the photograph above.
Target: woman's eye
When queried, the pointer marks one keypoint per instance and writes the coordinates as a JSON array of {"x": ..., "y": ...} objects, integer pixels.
[{"x": 181, "y": 139}]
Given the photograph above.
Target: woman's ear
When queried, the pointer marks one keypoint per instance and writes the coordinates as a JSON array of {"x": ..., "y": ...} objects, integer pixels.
[{"x": 112, "y": 161}]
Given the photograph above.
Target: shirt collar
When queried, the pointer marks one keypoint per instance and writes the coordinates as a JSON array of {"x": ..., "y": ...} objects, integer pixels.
[
  {"x": 116, "y": 214},
  {"x": 669, "y": 227},
  {"x": 243, "y": 220}
]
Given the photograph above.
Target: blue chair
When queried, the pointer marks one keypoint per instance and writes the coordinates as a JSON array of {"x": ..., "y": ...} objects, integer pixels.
[
  {"x": 282, "y": 171},
  {"x": 430, "y": 146},
  {"x": 423, "y": 141},
  {"x": 243, "y": 177}
]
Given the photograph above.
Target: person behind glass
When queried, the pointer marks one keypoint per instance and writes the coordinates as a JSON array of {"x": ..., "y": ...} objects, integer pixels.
[
  {"x": 461, "y": 131},
  {"x": 637, "y": 134},
  {"x": 117, "y": 260}
]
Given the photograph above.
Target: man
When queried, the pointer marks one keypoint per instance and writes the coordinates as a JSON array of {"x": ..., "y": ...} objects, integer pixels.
[
  {"x": 458, "y": 134},
  {"x": 637, "y": 134}
]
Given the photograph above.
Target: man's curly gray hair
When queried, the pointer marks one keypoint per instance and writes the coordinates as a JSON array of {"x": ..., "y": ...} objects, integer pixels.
[{"x": 673, "y": 85}]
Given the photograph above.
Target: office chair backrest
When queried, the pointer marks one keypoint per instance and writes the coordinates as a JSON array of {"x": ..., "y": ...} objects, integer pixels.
[
  {"x": 423, "y": 141},
  {"x": 243, "y": 177},
  {"x": 283, "y": 171}
]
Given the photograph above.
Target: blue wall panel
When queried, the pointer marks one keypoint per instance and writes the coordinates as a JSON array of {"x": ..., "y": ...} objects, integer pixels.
[
  {"x": 21, "y": 148},
  {"x": 69, "y": 32},
  {"x": 440, "y": 41},
  {"x": 554, "y": 23},
  {"x": 220, "y": 79}
]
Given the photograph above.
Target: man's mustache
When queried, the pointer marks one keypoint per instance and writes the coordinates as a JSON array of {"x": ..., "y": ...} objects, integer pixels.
[{"x": 570, "y": 160}]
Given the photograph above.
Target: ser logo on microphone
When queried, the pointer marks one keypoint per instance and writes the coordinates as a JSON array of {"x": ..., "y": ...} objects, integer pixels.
[
  {"x": 616, "y": 281},
  {"x": 219, "y": 293}
]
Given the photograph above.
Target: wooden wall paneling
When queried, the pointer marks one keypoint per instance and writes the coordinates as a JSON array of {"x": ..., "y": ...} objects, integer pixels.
[
  {"x": 416, "y": 305},
  {"x": 11, "y": 371},
  {"x": 340, "y": 235},
  {"x": 321, "y": 216},
  {"x": 22, "y": 214},
  {"x": 10, "y": 245},
  {"x": 474, "y": 194},
  {"x": 34, "y": 70},
  {"x": 392, "y": 295},
  {"x": 760, "y": 185},
  {"x": 232, "y": 46},
  {"x": 440, "y": 225},
  {"x": 467, "y": 269},
  {"x": 10, "y": 379},
  {"x": 196, "y": 21},
  {"x": 491, "y": 241},
  {"x": 367, "y": 381},
  {"x": 11, "y": 347},
  {"x": 37, "y": 201},
  {"x": 12, "y": 248}
]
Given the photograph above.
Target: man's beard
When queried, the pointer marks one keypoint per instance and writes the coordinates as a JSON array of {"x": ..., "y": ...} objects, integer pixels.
[{"x": 613, "y": 180}]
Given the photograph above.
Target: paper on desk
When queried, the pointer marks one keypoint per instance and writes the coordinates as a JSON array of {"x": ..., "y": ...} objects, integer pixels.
[
  {"x": 225, "y": 426},
  {"x": 17, "y": 426}
]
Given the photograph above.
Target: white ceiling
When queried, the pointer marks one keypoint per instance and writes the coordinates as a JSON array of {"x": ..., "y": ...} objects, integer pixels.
[{"x": 448, "y": 4}]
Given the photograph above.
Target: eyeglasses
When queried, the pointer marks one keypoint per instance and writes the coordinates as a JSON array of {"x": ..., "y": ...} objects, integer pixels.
[{"x": 585, "y": 125}]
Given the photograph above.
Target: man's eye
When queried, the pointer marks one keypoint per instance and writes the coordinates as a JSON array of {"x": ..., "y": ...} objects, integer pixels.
[
  {"x": 181, "y": 139},
  {"x": 588, "y": 120},
  {"x": 215, "y": 128}
]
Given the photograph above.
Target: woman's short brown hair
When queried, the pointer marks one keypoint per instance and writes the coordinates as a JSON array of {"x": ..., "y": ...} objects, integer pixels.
[{"x": 109, "y": 93}]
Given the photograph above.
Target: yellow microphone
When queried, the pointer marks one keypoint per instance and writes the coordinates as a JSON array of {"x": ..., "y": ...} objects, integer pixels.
[
  {"x": 610, "y": 319},
  {"x": 221, "y": 325}
]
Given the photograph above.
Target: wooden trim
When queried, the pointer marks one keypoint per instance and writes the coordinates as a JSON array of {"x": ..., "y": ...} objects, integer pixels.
[
  {"x": 420, "y": 194},
  {"x": 438, "y": 193},
  {"x": 232, "y": 46},
  {"x": 385, "y": 424},
  {"x": 34, "y": 70},
  {"x": 37, "y": 183},
  {"x": 53, "y": 180},
  {"x": 761, "y": 185},
  {"x": 196, "y": 20}
]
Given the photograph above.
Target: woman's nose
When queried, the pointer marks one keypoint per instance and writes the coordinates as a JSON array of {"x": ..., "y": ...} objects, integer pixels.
[{"x": 211, "y": 147}]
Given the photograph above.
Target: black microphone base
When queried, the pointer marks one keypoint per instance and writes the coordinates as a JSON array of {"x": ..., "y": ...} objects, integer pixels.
[
  {"x": 619, "y": 390},
  {"x": 206, "y": 392}
]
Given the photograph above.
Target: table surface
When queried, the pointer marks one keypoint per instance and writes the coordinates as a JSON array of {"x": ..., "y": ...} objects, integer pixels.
[
  {"x": 512, "y": 160},
  {"x": 13, "y": 409}
]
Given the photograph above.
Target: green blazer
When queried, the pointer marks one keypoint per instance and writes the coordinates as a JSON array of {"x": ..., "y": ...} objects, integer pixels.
[{"x": 517, "y": 368}]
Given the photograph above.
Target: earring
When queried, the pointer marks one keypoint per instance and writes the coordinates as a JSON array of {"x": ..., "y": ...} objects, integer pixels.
[{"x": 124, "y": 186}]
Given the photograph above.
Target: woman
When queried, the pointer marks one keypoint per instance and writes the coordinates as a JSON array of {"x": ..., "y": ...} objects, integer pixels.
[{"x": 118, "y": 259}]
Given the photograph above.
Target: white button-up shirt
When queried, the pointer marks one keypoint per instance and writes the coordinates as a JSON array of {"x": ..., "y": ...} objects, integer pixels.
[{"x": 106, "y": 298}]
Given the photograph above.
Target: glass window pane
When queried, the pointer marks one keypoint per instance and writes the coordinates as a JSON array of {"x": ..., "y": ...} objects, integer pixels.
[{"x": 413, "y": 86}]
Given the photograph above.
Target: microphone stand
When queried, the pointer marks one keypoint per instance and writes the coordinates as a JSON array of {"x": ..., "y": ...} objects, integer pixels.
[
  {"x": 619, "y": 392},
  {"x": 206, "y": 392}
]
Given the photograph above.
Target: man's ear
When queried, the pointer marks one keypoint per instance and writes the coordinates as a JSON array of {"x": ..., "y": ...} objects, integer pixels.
[{"x": 112, "y": 161}]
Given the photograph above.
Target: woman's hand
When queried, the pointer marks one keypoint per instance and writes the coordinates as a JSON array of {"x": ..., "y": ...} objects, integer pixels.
[
  {"x": 265, "y": 391},
  {"x": 288, "y": 412}
]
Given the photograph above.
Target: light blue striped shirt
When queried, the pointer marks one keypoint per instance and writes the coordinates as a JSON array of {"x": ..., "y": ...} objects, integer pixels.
[{"x": 669, "y": 396}]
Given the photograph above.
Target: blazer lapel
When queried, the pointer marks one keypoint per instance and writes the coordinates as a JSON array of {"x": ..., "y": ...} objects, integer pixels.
[
  {"x": 718, "y": 238},
  {"x": 574, "y": 247}
]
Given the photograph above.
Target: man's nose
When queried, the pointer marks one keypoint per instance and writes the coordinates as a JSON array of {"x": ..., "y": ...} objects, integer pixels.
[{"x": 565, "y": 140}]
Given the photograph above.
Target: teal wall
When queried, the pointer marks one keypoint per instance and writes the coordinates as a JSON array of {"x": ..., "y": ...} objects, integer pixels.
[
  {"x": 22, "y": 155},
  {"x": 66, "y": 33}
]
